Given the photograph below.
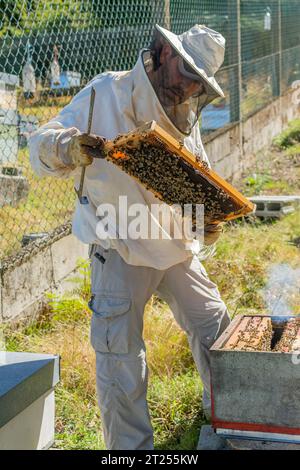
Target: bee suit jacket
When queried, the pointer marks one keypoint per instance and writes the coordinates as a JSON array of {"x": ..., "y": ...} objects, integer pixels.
[{"x": 124, "y": 101}]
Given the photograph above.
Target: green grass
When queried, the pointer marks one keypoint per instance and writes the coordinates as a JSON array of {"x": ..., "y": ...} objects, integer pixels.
[
  {"x": 290, "y": 136},
  {"x": 175, "y": 407},
  {"x": 276, "y": 170},
  {"x": 44, "y": 108},
  {"x": 263, "y": 183},
  {"x": 244, "y": 253},
  {"x": 293, "y": 150}
]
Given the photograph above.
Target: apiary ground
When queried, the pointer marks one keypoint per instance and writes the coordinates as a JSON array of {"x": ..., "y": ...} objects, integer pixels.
[{"x": 275, "y": 171}]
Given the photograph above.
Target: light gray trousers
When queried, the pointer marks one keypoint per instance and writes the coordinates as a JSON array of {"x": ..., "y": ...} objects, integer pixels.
[{"x": 119, "y": 294}]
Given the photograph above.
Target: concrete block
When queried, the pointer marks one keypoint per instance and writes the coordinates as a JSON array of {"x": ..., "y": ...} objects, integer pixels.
[
  {"x": 247, "y": 137},
  {"x": 212, "y": 153},
  {"x": 234, "y": 137},
  {"x": 12, "y": 189},
  {"x": 222, "y": 167},
  {"x": 27, "y": 384},
  {"x": 277, "y": 126},
  {"x": 65, "y": 253},
  {"x": 33, "y": 428},
  {"x": 274, "y": 206},
  {"x": 260, "y": 141},
  {"x": 24, "y": 287},
  {"x": 263, "y": 117},
  {"x": 218, "y": 148},
  {"x": 247, "y": 129},
  {"x": 209, "y": 440},
  {"x": 8, "y": 99},
  {"x": 25, "y": 284},
  {"x": 229, "y": 166},
  {"x": 223, "y": 142}
]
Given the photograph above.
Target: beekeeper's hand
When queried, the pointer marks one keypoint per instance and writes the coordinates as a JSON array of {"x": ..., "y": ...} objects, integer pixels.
[
  {"x": 212, "y": 233},
  {"x": 83, "y": 148}
]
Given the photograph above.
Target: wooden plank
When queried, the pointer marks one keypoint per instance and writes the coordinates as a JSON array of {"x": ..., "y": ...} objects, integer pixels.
[{"x": 235, "y": 337}]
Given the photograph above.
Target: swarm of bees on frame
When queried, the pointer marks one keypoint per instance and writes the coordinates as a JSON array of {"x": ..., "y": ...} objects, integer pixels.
[
  {"x": 171, "y": 178},
  {"x": 257, "y": 334},
  {"x": 290, "y": 339},
  {"x": 253, "y": 334}
]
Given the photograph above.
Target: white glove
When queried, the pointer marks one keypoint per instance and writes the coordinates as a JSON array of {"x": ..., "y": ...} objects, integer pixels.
[{"x": 83, "y": 148}]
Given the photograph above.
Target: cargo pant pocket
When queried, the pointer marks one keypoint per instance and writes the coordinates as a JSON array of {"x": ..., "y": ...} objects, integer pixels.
[{"x": 110, "y": 324}]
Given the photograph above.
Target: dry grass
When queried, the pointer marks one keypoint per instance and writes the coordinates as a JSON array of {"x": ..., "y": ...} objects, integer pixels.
[
  {"x": 43, "y": 108},
  {"x": 174, "y": 392},
  {"x": 244, "y": 254},
  {"x": 239, "y": 268}
]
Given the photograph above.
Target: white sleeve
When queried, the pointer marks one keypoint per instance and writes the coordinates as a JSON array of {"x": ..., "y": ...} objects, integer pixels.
[
  {"x": 48, "y": 145},
  {"x": 194, "y": 144},
  {"x": 200, "y": 147},
  {"x": 48, "y": 150}
]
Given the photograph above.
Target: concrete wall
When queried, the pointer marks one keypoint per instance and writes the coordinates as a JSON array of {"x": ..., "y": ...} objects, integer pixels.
[
  {"x": 23, "y": 287},
  {"x": 233, "y": 149},
  {"x": 12, "y": 189},
  {"x": 8, "y": 98},
  {"x": 230, "y": 150}
]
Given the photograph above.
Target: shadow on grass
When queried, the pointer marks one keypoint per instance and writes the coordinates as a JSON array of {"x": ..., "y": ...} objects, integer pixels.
[{"x": 185, "y": 437}]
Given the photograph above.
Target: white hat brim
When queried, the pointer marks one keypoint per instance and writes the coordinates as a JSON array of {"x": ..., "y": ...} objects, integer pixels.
[{"x": 177, "y": 44}]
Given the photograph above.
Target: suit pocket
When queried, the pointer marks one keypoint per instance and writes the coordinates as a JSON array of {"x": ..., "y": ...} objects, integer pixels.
[{"x": 110, "y": 323}]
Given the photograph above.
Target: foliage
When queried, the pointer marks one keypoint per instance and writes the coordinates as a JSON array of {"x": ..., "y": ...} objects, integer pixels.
[{"x": 289, "y": 136}]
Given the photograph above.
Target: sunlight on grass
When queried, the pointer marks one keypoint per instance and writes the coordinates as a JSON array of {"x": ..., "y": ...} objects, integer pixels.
[{"x": 244, "y": 254}]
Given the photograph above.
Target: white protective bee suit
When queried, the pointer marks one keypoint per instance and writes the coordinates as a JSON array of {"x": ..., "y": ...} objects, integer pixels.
[{"x": 125, "y": 273}]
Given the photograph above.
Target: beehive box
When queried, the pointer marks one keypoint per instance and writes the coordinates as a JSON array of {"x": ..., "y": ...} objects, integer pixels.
[
  {"x": 256, "y": 387},
  {"x": 27, "y": 402},
  {"x": 165, "y": 167}
]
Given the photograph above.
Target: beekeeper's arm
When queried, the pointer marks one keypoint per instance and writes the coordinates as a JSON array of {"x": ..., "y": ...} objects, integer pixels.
[{"x": 60, "y": 146}]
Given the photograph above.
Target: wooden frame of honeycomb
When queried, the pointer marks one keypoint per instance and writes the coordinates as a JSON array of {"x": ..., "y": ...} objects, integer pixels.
[
  {"x": 164, "y": 166},
  {"x": 257, "y": 333}
]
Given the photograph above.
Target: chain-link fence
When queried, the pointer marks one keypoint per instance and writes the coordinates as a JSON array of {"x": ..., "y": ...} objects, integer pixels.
[{"x": 50, "y": 48}]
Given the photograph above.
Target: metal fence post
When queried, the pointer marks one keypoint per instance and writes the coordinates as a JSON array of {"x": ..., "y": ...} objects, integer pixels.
[
  {"x": 239, "y": 57},
  {"x": 234, "y": 57},
  {"x": 240, "y": 76},
  {"x": 276, "y": 60},
  {"x": 279, "y": 49},
  {"x": 167, "y": 18}
]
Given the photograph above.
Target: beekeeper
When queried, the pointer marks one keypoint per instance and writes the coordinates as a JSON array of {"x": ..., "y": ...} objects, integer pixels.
[{"x": 171, "y": 82}]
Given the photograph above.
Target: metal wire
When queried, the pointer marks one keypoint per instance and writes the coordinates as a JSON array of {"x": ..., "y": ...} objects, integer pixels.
[{"x": 49, "y": 49}]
